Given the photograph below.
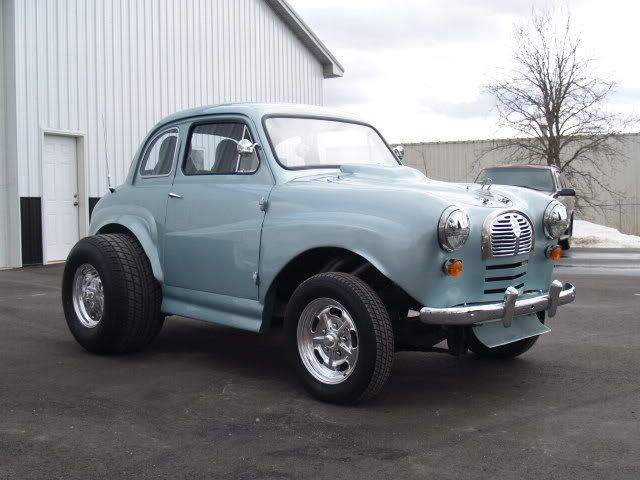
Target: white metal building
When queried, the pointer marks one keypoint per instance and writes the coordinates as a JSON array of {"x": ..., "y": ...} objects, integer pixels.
[{"x": 68, "y": 67}]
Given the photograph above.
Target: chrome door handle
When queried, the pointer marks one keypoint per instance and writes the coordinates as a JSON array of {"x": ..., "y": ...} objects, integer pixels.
[{"x": 174, "y": 195}]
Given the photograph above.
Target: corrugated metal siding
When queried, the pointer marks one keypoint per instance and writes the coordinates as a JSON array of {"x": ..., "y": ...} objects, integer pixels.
[
  {"x": 457, "y": 162},
  {"x": 4, "y": 230},
  {"x": 9, "y": 204},
  {"x": 136, "y": 62}
]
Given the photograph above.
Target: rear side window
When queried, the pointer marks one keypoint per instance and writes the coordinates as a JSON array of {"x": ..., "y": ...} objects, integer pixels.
[
  {"x": 213, "y": 149},
  {"x": 158, "y": 159}
]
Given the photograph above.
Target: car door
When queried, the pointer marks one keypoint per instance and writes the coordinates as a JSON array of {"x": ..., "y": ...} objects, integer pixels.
[
  {"x": 154, "y": 177},
  {"x": 215, "y": 212}
]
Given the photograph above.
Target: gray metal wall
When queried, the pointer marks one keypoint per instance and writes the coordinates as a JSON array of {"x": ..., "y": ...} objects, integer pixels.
[
  {"x": 456, "y": 162},
  {"x": 9, "y": 203},
  {"x": 3, "y": 157}
]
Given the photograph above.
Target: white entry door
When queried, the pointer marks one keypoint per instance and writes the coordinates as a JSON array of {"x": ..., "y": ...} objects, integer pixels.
[{"x": 60, "y": 197}]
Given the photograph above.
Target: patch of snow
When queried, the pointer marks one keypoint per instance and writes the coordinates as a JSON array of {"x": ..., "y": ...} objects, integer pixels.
[{"x": 587, "y": 234}]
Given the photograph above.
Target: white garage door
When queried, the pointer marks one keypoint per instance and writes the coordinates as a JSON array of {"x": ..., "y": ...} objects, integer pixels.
[{"x": 60, "y": 197}]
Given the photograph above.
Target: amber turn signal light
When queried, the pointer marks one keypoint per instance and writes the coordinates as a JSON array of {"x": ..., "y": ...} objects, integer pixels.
[
  {"x": 554, "y": 252},
  {"x": 453, "y": 267}
]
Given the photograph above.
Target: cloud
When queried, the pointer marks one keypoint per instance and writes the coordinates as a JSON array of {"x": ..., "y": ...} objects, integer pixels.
[
  {"x": 416, "y": 68},
  {"x": 480, "y": 107},
  {"x": 398, "y": 24},
  {"x": 626, "y": 94}
]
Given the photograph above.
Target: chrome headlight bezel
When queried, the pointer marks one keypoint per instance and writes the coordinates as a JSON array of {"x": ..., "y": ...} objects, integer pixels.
[
  {"x": 556, "y": 220},
  {"x": 453, "y": 228}
]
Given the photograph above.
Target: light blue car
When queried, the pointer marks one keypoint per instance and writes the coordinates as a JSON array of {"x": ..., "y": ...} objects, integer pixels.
[{"x": 259, "y": 216}]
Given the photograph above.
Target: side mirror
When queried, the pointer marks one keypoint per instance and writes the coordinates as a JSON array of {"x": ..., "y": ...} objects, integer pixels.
[
  {"x": 246, "y": 147},
  {"x": 398, "y": 150},
  {"x": 567, "y": 192}
]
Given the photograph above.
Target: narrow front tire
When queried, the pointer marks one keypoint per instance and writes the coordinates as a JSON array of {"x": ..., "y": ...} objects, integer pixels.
[{"x": 339, "y": 338}]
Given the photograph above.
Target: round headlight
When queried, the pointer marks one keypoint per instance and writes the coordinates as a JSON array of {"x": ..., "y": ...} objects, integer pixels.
[
  {"x": 453, "y": 228},
  {"x": 555, "y": 220}
]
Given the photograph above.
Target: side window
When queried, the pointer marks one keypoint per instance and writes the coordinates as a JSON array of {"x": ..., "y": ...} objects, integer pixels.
[
  {"x": 213, "y": 150},
  {"x": 158, "y": 159}
]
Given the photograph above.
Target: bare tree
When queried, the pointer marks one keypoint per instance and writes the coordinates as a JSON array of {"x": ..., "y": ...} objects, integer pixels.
[{"x": 555, "y": 102}]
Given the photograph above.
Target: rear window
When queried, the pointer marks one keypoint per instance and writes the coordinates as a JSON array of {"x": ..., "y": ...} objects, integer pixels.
[
  {"x": 534, "y": 178},
  {"x": 158, "y": 159}
]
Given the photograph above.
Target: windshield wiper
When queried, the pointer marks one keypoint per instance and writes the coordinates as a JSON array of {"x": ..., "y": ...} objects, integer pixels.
[{"x": 526, "y": 186}]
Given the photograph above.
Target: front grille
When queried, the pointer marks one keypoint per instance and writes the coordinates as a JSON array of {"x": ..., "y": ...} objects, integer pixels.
[
  {"x": 500, "y": 276},
  {"x": 511, "y": 234}
]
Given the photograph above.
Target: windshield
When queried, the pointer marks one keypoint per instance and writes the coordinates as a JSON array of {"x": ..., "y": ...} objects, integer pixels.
[
  {"x": 534, "y": 178},
  {"x": 317, "y": 143}
]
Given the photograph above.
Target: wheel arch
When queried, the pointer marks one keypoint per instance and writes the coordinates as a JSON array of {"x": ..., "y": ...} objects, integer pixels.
[
  {"x": 321, "y": 260},
  {"x": 141, "y": 230}
]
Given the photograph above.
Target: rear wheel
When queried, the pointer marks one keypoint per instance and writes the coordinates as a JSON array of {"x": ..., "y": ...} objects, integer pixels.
[
  {"x": 339, "y": 338},
  {"x": 110, "y": 298}
]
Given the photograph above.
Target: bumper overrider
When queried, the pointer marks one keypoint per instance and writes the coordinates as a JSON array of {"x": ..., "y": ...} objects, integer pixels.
[{"x": 513, "y": 305}]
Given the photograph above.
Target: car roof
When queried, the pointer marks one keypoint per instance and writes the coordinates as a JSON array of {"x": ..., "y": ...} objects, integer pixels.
[
  {"x": 257, "y": 110},
  {"x": 539, "y": 167}
]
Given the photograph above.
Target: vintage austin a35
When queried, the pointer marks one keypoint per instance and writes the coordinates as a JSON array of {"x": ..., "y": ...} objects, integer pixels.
[{"x": 258, "y": 216}]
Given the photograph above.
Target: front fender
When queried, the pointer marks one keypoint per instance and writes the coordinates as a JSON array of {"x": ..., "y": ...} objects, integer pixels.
[
  {"x": 397, "y": 237},
  {"x": 141, "y": 224}
]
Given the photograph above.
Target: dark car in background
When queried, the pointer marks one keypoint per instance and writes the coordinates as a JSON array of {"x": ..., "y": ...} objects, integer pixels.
[{"x": 543, "y": 178}]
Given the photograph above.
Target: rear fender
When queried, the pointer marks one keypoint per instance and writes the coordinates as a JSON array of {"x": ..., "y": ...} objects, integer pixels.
[{"x": 140, "y": 223}]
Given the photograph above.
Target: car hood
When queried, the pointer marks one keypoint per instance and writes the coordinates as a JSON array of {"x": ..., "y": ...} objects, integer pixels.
[{"x": 408, "y": 179}]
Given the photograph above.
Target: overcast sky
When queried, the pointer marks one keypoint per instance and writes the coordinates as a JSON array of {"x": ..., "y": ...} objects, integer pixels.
[{"x": 415, "y": 68}]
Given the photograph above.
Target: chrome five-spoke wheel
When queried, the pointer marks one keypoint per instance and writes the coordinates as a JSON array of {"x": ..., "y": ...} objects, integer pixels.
[
  {"x": 327, "y": 341},
  {"x": 339, "y": 338},
  {"x": 88, "y": 295}
]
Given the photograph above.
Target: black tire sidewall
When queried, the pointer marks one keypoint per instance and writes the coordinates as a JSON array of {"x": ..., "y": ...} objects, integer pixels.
[
  {"x": 350, "y": 389},
  {"x": 102, "y": 337}
]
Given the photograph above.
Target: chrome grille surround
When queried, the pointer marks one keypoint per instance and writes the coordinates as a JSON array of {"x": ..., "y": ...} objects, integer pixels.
[{"x": 507, "y": 233}]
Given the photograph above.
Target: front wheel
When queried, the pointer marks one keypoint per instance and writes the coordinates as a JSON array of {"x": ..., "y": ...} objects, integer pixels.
[{"x": 339, "y": 338}]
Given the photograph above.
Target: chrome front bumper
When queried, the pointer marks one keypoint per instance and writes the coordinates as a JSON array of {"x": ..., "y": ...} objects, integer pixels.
[{"x": 513, "y": 305}]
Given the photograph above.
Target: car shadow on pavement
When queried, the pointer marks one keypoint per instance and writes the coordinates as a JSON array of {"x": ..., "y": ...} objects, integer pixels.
[
  {"x": 425, "y": 379},
  {"x": 221, "y": 347}
]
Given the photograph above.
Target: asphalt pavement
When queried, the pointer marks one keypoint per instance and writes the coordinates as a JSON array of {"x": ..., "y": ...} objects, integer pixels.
[{"x": 212, "y": 402}]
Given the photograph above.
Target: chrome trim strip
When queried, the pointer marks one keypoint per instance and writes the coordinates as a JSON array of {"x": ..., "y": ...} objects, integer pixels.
[{"x": 512, "y": 306}]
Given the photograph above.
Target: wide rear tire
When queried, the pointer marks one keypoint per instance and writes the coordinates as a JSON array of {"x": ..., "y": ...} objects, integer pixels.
[
  {"x": 110, "y": 298},
  {"x": 339, "y": 338}
]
